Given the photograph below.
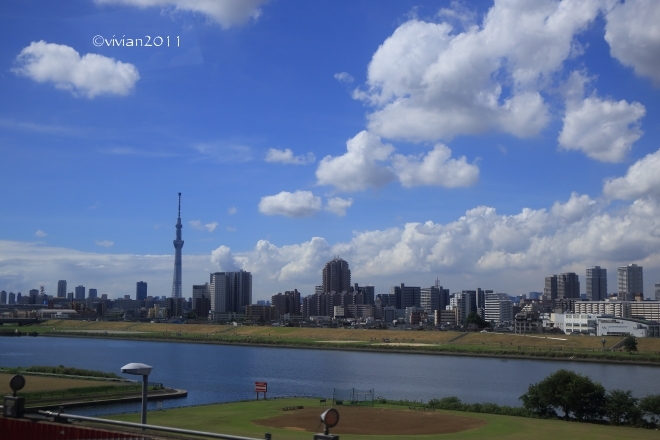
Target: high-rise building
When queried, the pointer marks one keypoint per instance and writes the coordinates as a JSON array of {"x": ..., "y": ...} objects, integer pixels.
[
  {"x": 3, "y": 297},
  {"x": 61, "y": 289},
  {"x": 657, "y": 291},
  {"x": 33, "y": 296},
  {"x": 568, "y": 286},
  {"x": 630, "y": 282},
  {"x": 432, "y": 299},
  {"x": 178, "y": 244},
  {"x": 498, "y": 308},
  {"x": 12, "y": 298},
  {"x": 80, "y": 292},
  {"x": 201, "y": 300},
  {"x": 141, "y": 290},
  {"x": 287, "y": 302},
  {"x": 596, "y": 284},
  {"x": 93, "y": 293},
  {"x": 230, "y": 291},
  {"x": 562, "y": 286},
  {"x": 336, "y": 276}
]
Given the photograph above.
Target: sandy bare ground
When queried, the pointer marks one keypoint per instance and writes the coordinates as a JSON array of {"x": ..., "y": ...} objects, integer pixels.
[{"x": 375, "y": 421}]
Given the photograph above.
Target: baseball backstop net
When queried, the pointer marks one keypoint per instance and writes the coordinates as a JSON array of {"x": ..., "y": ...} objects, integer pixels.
[{"x": 352, "y": 396}]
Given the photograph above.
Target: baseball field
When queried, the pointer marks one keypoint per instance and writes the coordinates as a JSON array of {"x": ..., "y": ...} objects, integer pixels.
[{"x": 389, "y": 422}]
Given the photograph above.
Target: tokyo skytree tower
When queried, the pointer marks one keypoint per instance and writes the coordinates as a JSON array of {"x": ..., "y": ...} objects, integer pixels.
[{"x": 178, "y": 244}]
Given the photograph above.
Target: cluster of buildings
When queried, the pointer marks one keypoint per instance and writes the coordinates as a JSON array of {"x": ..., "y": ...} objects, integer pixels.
[{"x": 227, "y": 296}]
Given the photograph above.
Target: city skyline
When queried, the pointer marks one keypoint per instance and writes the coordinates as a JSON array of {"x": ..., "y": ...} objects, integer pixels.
[{"x": 303, "y": 130}]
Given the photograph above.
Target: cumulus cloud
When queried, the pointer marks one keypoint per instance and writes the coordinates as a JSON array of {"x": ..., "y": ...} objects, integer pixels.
[
  {"x": 224, "y": 259},
  {"x": 481, "y": 242},
  {"x": 344, "y": 77},
  {"x": 435, "y": 168},
  {"x": 428, "y": 82},
  {"x": 604, "y": 130},
  {"x": 633, "y": 33},
  {"x": 286, "y": 156},
  {"x": 90, "y": 75},
  {"x": 295, "y": 204},
  {"x": 232, "y": 210},
  {"x": 338, "y": 206},
  {"x": 104, "y": 243},
  {"x": 359, "y": 168},
  {"x": 227, "y": 13},
  {"x": 642, "y": 179},
  {"x": 40, "y": 233},
  {"x": 198, "y": 225}
]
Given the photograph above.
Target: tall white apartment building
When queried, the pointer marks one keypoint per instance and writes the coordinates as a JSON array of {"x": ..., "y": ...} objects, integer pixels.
[{"x": 499, "y": 308}]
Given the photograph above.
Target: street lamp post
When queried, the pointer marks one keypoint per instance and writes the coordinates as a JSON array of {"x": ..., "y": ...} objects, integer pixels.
[
  {"x": 603, "y": 342},
  {"x": 144, "y": 371}
]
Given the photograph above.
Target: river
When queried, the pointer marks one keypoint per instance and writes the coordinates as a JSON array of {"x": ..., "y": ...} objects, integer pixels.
[{"x": 224, "y": 373}]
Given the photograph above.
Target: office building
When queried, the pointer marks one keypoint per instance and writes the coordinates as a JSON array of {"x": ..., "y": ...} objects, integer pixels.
[
  {"x": 80, "y": 292},
  {"x": 33, "y": 296},
  {"x": 630, "y": 282},
  {"x": 432, "y": 299},
  {"x": 3, "y": 297},
  {"x": 93, "y": 293},
  {"x": 336, "y": 276},
  {"x": 141, "y": 291},
  {"x": 61, "y": 289},
  {"x": 657, "y": 291},
  {"x": 406, "y": 296},
  {"x": 230, "y": 291},
  {"x": 563, "y": 286},
  {"x": 596, "y": 284},
  {"x": 12, "y": 298},
  {"x": 201, "y": 300}
]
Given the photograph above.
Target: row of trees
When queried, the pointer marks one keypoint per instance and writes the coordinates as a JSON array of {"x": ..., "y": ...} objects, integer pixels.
[{"x": 576, "y": 396}]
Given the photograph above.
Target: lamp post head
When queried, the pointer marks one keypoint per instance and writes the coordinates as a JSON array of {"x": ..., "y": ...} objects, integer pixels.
[{"x": 137, "y": 368}]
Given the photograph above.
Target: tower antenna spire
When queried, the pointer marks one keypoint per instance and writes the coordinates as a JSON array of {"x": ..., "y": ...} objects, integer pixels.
[{"x": 179, "y": 204}]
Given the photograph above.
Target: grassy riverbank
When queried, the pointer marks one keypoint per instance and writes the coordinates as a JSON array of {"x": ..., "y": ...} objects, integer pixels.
[
  {"x": 432, "y": 342},
  {"x": 257, "y": 417}
]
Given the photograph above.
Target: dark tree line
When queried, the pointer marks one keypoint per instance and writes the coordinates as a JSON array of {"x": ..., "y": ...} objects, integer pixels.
[{"x": 574, "y": 396}]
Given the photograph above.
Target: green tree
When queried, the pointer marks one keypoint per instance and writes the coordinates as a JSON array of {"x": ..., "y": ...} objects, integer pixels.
[
  {"x": 574, "y": 394},
  {"x": 650, "y": 405},
  {"x": 621, "y": 408},
  {"x": 630, "y": 344},
  {"x": 474, "y": 318}
]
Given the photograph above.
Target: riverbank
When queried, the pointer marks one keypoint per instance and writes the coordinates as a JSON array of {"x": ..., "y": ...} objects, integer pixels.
[{"x": 538, "y": 346}]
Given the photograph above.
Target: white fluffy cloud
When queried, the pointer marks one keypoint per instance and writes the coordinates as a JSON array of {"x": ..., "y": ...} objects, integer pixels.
[
  {"x": 286, "y": 156},
  {"x": 90, "y": 75},
  {"x": 338, "y": 206},
  {"x": 642, "y": 179},
  {"x": 360, "y": 167},
  {"x": 633, "y": 33},
  {"x": 224, "y": 259},
  {"x": 369, "y": 163},
  {"x": 40, "y": 233},
  {"x": 104, "y": 243},
  {"x": 227, "y": 13},
  {"x": 295, "y": 204},
  {"x": 603, "y": 129},
  {"x": 435, "y": 168},
  {"x": 429, "y": 82}
]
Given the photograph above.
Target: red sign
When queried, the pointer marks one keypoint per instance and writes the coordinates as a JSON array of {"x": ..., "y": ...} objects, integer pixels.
[{"x": 261, "y": 387}]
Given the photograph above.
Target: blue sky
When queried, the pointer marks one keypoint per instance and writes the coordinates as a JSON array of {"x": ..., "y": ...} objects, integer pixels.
[{"x": 484, "y": 143}]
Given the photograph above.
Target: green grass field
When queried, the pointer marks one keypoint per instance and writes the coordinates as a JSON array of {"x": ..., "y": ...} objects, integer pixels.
[
  {"x": 236, "y": 419},
  {"x": 554, "y": 346}
]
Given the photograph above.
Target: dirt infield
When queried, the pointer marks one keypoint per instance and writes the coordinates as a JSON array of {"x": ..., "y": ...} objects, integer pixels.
[{"x": 375, "y": 421}]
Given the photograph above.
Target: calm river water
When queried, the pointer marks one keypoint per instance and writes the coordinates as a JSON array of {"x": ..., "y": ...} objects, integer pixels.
[{"x": 219, "y": 373}]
